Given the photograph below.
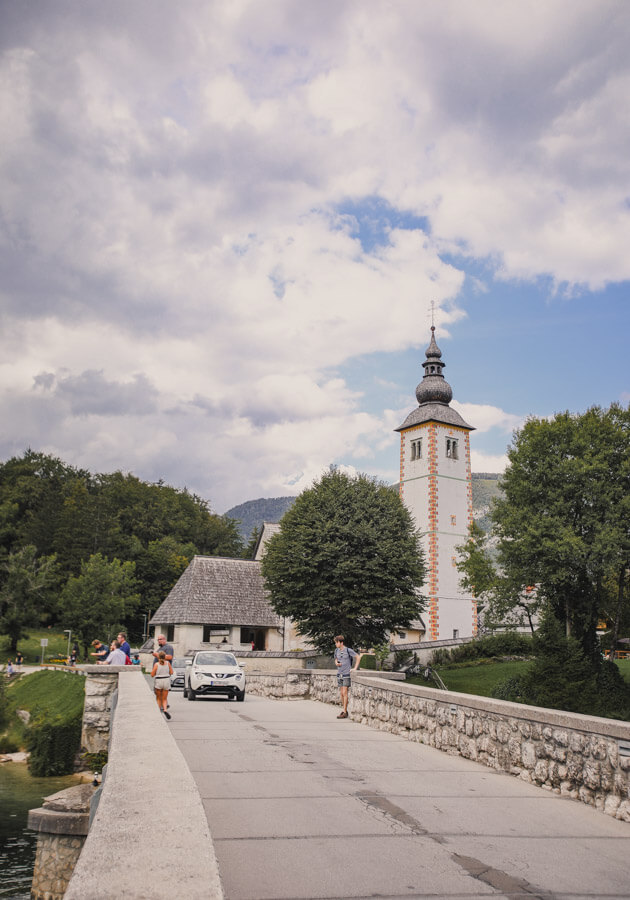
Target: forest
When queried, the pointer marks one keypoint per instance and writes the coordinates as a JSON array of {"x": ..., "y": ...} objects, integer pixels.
[{"x": 95, "y": 552}]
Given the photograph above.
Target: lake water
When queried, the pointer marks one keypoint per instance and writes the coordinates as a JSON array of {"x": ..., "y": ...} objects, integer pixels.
[{"x": 20, "y": 792}]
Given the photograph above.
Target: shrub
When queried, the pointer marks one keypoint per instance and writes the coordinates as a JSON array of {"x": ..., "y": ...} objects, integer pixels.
[
  {"x": 53, "y": 747},
  {"x": 509, "y": 643},
  {"x": 367, "y": 661},
  {"x": 510, "y": 689}
]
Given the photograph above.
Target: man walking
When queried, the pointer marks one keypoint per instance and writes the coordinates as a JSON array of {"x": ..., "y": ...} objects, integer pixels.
[
  {"x": 167, "y": 648},
  {"x": 344, "y": 657}
]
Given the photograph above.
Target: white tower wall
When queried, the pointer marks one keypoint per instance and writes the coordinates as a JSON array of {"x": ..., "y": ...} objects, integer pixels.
[{"x": 436, "y": 487}]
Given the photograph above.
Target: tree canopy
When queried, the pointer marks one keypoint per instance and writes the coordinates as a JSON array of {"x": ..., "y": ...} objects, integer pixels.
[
  {"x": 59, "y": 510},
  {"x": 562, "y": 523},
  {"x": 346, "y": 561}
]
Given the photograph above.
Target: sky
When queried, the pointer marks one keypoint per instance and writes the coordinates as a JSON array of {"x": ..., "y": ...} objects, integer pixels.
[{"x": 226, "y": 229}]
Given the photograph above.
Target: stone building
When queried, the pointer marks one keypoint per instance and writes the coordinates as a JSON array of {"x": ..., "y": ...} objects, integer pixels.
[{"x": 436, "y": 487}]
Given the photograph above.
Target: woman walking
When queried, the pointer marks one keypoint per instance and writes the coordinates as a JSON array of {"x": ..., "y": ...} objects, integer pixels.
[{"x": 161, "y": 672}]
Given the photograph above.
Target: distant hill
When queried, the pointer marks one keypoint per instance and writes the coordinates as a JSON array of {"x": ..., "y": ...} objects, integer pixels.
[{"x": 253, "y": 513}]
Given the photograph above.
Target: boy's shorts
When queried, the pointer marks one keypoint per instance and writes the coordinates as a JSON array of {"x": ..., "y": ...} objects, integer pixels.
[{"x": 343, "y": 680}]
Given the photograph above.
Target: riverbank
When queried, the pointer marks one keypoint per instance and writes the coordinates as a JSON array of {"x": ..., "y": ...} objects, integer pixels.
[{"x": 19, "y": 792}]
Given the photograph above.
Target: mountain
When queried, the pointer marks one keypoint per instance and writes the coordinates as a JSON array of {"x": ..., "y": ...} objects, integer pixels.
[{"x": 252, "y": 513}]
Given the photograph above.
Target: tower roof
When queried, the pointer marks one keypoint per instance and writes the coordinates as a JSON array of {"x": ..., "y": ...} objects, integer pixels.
[{"x": 434, "y": 393}]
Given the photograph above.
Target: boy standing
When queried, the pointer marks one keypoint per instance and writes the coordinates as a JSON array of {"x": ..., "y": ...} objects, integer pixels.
[{"x": 344, "y": 659}]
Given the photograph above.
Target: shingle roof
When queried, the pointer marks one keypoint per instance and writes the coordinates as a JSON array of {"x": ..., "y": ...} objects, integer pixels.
[
  {"x": 215, "y": 590},
  {"x": 434, "y": 412}
]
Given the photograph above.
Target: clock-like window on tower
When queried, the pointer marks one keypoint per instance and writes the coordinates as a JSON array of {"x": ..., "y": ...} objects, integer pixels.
[
  {"x": 451, "y": 448},
  {"x": 416, "y": 449}
]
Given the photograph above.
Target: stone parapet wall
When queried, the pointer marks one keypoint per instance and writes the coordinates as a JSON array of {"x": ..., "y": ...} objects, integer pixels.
[
  {"x": 582, "y": 757},
  {"x": 302, "y": 684},
  {"x": 100, "y": 684},
  {"x": 257, "y": 663}
]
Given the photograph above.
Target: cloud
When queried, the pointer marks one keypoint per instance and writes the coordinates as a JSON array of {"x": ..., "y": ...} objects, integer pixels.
[{"x": 209, "y": 209}]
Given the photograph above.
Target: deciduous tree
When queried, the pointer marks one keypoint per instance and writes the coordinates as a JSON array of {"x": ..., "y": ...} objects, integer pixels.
[
  {"x": 98, "y": 602},
  {"x": 346, "y": 561},
  {"x": 25, "y": 580}
]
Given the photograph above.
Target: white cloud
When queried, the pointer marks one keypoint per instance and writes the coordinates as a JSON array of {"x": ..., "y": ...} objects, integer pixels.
[{"x": 171, "y": 240}]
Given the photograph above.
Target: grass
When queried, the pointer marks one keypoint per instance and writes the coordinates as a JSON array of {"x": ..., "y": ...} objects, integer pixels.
[
  {"x": 479, "y": 679},
  {"x": 46, "y": 695},
  {"x": 624, "y": 668},
  {"x": 31, "y": 648}
]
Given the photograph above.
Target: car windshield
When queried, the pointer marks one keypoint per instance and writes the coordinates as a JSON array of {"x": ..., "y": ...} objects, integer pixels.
[
  {"x": 179, "y": 663},
  {"x": 216, "y": 659}
]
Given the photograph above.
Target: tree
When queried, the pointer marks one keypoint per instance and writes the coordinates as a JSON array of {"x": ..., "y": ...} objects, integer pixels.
[
  {"x": 98, "y": 602},
  {"x": 24, "y": 584},
  {"x": 499, "y": 601},
  {"x": 562, "y": 522},
  {"x": 346, "y": 561}
]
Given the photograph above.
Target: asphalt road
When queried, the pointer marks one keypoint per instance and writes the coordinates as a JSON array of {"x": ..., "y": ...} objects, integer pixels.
[{"x": 302, "y": 805}]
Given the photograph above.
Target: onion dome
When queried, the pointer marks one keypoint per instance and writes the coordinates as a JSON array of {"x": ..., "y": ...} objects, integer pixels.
[
  {"x": 433, "y": 388},
  {"x": 434, "y": 394}
]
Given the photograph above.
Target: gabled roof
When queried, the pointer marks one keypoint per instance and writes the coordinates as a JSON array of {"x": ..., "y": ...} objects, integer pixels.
[
  {"x": 268, "y": 531},
  {"x": 218, "y": 591}
]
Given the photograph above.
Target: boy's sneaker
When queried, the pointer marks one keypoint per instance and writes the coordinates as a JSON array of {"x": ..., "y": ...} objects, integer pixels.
[{"x": 167, "y": 714}]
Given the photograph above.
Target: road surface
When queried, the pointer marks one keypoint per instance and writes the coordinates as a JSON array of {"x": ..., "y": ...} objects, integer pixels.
[{"x": 302, "y": 805}]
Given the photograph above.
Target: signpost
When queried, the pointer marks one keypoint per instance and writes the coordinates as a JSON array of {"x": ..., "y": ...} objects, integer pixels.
[{"x": 44, "y": 643}]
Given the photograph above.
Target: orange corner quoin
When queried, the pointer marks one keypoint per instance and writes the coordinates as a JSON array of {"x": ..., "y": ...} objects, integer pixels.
[{"x": 436, "y": 486}]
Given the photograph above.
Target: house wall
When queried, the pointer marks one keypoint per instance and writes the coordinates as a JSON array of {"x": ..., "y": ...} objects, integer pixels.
[{"x": 188, "y": 637}]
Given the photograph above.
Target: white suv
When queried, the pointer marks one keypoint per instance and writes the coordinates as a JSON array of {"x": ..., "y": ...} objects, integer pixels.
[{"x": 214, "y": 672}]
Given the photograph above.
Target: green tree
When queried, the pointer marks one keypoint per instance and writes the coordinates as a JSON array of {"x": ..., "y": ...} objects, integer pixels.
[
  {"x": 346, "y": 561},
  {"x": 499, "y": 600},
  {"x": 252, "y": 544},
  {"x": 562, "y": 520},
  {"x": 25, "y": 581},
  {"x": 98, "y": 602}
]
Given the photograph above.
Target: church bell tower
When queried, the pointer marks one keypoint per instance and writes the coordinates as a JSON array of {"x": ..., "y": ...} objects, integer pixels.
[{"x": 436, "y": 487}]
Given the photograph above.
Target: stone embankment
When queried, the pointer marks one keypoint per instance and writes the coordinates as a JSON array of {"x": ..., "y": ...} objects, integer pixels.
[{"x": 582, "y": 757}]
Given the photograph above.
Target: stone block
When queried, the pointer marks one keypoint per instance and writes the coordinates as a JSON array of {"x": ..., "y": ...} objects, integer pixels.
[
  {"x": 592, "y": 773},
  {"x": 528, "y": 755},
  {"x": 525, "y": 729},
  {"x": 541, "y": 771}
]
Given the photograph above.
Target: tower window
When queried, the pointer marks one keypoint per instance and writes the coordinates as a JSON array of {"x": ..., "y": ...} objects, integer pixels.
[
  {"x": 451, "y": 448},
  {"x": 453, "y": 520},
  {"x": 416, "y": 449}
]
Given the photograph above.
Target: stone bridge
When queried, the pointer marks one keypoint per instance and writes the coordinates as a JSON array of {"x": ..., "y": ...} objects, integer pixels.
[{"x": 150, "y": 831}]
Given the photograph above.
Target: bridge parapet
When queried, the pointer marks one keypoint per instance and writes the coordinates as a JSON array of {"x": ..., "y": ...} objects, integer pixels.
[
  {"x": 150, "y": 823},
  {"x": 583, "y": 757}
]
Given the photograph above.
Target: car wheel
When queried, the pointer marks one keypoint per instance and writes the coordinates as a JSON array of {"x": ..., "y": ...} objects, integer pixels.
[
  {"x": 192, "y": 695},
  {"x": 185, "y": 693},
  {"x": 240, "y": 696}
]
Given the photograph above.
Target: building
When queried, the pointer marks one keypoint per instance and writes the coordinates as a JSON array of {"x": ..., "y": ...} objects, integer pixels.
[
  {"x": 219, "y": 601},
  {"x": 436, "y": 487}
]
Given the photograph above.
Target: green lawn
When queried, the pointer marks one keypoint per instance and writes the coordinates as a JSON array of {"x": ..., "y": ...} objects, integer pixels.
[
  {"x": 482, "y": 679},
  {"x": 476, "y": 679},
  {"x": 624, "y": 668},
  {"x": 31, "y": 649}
]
